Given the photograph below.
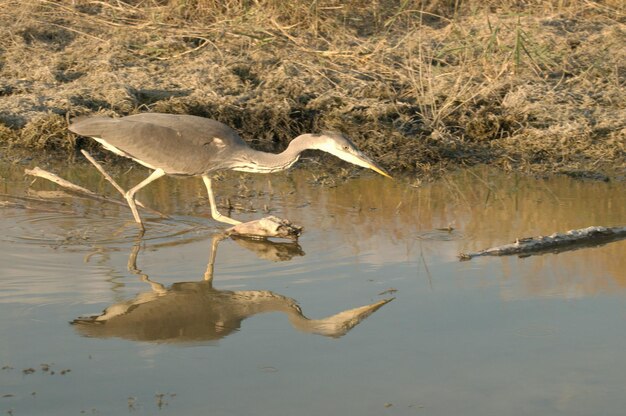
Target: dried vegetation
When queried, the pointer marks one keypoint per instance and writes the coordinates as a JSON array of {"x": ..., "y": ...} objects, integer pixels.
[{"x": 420, "y": 85}]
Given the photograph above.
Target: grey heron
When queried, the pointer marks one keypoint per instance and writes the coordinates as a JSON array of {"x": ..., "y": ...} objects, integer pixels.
[{"x": 187, "y": 145}]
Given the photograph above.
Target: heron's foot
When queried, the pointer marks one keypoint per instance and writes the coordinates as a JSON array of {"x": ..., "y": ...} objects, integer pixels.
[
  {"x": 223, "y": 218},
  {"x": 130, "y": 199},
  {"x": 267, "y": 227},
  {"x": 141, "y": 228}
]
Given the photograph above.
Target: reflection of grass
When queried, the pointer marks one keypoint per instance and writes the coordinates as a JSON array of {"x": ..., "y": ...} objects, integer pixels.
[
  {"x": 486, "y": 209},
  {"x": 419, "y": 85}
]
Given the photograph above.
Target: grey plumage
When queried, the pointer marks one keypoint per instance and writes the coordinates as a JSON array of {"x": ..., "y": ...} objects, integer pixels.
[{"x": 178, "y": 144}]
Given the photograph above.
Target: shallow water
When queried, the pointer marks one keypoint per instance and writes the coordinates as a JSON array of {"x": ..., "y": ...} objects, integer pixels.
[{"x": 279, "y": 330}]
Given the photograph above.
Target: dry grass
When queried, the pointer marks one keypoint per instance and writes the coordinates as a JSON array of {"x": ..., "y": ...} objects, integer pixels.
[{"x": 422, "y": 86}]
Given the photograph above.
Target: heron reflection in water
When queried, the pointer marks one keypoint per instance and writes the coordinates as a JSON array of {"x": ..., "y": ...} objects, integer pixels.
[
  {"x": 186, "y": 145},
  {"x": 195, "y": 312}
]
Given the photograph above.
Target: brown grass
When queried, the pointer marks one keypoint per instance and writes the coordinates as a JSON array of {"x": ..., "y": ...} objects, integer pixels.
[{"x": 422, "y": 86}]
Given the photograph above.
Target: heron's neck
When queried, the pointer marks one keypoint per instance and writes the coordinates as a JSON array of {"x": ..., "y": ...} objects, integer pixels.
[{"x": 262, "y": 162}]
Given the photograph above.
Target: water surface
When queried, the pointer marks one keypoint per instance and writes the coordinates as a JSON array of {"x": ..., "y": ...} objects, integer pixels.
[{"x": 97, "y": 321}]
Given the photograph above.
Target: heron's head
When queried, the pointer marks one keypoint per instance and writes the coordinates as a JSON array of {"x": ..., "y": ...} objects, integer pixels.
[{"x": 339, "y": 145}]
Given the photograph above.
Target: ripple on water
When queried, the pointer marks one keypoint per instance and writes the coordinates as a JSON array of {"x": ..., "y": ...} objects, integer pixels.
[
  {"x": 441, "y": 234},
  {"x": 74, "y": 230},
  {"x": 34, "y": 246}
]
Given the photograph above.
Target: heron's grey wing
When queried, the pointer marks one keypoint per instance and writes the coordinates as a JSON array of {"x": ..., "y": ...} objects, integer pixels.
[
  {"x": 177, "y": 148},
  {"x": 193, "y": 128}
]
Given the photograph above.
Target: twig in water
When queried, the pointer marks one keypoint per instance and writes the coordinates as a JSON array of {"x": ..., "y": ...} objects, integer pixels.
[
  {"x": 41, "y": 173},
  {"x": 556, "y": 242}
]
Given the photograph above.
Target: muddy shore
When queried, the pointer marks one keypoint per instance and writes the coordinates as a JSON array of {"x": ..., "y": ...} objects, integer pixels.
[{"x": 422, "y": 89}]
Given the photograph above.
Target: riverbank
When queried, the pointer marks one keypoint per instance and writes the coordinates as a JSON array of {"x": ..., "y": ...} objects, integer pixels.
[{"x": 421, "y": 89}]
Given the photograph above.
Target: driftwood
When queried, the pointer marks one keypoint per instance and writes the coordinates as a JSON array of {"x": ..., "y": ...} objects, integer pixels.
[
  {"x": 44, "y": 174},
  {"x": 10, "y": 204},
  {"x": 266, "y": 227},
  {"x": 555, "y": 243}
]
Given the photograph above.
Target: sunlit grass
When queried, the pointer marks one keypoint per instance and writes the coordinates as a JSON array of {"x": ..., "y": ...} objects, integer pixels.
[{"x": 417, "y": 84}]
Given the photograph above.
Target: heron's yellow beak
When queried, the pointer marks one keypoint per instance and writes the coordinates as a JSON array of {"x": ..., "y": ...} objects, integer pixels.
[
  {"x": 366, "y": 162},
  {"x": 358, "y": 158},
  {"x": 380, "y": 170}
]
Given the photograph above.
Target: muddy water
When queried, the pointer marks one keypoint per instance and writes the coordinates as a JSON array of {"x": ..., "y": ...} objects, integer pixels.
[{"x": 97, "y": 321}]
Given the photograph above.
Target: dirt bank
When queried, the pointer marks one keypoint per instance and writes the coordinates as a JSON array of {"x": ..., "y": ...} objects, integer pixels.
[{"x": 420, "y": 88}]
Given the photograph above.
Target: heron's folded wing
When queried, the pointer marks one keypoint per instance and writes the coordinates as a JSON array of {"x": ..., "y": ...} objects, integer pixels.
[{"x": 175, "y": 150}]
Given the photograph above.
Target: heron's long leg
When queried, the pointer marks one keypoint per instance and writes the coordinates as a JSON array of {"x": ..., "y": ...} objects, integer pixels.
[
  {"x": 112, "y": 181},
  {"x": 214, "y": 212},
  {"x": 130, "y": 194},
  {"x": 208, "y": 274}
]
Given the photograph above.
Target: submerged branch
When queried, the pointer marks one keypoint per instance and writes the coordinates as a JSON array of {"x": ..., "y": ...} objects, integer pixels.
[
  {"x": 555, "y": 243},
  {"x": 44, "y": 174}
]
